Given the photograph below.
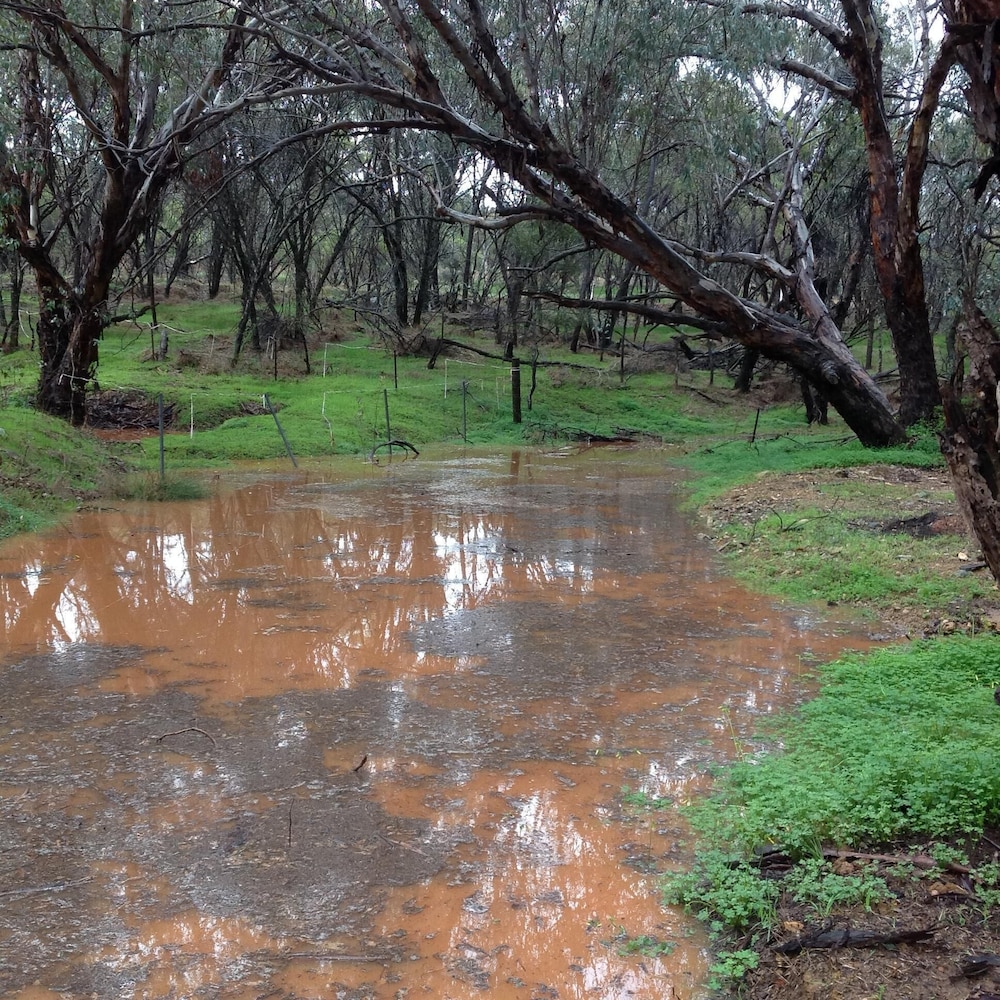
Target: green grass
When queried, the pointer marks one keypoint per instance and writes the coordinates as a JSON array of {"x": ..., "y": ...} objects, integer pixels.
[
  {"x": 720, "y": 465},
  {"x": 900, "y": 744},
  {"x": 340, "y": 408},
  {"x": 903, "y": 741},
  {"x": 46, "y": 469},
  {"x": 344, "y": 410},
  {"x": 831, "y": 548},
  {"x": 813, "y": 555},
  {"x": 151, "y": 487}
]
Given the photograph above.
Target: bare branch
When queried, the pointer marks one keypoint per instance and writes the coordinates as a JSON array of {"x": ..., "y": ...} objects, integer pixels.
[
  {"x": 827, "y": 82},
  {"x": 759, "y": 262},
  {"x": 496, "y": 223},
  {"x": 665, "y": 317},
  {"x": 832, "y": 32}
]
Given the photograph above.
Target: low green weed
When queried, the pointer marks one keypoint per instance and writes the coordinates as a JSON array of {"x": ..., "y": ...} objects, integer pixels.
[
  {"x": 723, "y": 890},
  {"x": 901, "y": 743},
  {"x": 813, "y": 883},
  {"x": 647, "y": 945},
  {"x": 730, "y": 967},
  {"x": 638, "y": 799},
  {"x": 149, "y": 486},
  {"x": 813, "y": 555},
  {"x": 988, "y": 888}
]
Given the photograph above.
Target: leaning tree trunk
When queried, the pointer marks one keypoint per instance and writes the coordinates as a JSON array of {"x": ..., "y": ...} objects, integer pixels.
[
  {"x": 970, "y": 441},
  {"x": 568, "y": 191}
]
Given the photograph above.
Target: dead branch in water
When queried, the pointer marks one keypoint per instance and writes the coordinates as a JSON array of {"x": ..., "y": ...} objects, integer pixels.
[
  {"x": 395, "y": 443},
  {"x": 187, "y": 729}
]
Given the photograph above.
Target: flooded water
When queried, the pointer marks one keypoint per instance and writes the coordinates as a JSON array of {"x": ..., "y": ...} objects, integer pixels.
[{"x": 372, "y": 732}]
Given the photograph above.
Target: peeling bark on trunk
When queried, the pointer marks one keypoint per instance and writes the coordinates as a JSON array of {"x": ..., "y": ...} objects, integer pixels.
[
  {"x": 970, "y": 439},
  {"x": 894, "y": 201},
  {"x": 68, "y": 334},
  {"x": 68, "y": 337}
]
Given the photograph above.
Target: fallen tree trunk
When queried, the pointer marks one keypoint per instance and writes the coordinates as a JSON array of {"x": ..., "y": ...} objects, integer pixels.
[{"x": 843, "y": 937}]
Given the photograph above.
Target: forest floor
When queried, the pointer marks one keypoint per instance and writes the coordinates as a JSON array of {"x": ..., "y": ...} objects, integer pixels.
[
  {"x": 953, "y": 951},
  {"x": 957, "y": 952},
  {"x": 929, "y": 510}
]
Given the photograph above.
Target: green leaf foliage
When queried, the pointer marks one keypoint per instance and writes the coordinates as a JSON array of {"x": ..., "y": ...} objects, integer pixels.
[{"x": 900, "y": 742}]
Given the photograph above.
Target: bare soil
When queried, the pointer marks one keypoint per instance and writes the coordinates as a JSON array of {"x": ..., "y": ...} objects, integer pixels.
[{"x": 958, "y": 958}]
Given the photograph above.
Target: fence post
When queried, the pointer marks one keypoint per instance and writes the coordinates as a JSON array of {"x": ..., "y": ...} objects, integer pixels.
[
  {"x": 465, "y": 422},
  {"x": 281, "y": 430},
  {"x": 515, "y": 390},
  {"x": 388, "y": 431}
]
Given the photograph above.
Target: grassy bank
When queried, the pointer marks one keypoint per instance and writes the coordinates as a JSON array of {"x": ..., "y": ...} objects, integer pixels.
[
  {"x": 354, "y": 397},
  {"x": 875, "y": 809}
]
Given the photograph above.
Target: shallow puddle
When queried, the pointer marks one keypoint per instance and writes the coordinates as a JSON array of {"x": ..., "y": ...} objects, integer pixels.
[{"x": 372, "y": 732}]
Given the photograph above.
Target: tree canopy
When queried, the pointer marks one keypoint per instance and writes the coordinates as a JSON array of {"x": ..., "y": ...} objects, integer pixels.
[{"x": 763, "y": 170}]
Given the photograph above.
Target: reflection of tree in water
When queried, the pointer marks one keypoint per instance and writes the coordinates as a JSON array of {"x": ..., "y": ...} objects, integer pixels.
[
  {"x": 534, "y": 583},
  {"x": 253, "y": 568},
  {"x": 216, "y": 677}
]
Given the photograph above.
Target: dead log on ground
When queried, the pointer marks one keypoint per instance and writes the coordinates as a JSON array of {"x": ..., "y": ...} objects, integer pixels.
[{"x": 844, "y": 937}]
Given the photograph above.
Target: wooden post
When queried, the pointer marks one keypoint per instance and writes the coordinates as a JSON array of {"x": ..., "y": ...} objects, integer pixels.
[
  {"x": 515, "y": 390},
  {"x": 465, "y": 423},
  {"x": 281, "y": 430},
  {"x": 388, "y": 431}
]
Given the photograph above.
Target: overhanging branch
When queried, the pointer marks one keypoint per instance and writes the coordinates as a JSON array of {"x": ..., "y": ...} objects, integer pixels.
[{"x": 665, "y": 317}]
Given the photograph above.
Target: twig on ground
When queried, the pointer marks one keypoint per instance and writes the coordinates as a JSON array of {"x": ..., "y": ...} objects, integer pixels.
[
  {"x": 917, "y": 860},
  {"x": 187, "y": 729}
]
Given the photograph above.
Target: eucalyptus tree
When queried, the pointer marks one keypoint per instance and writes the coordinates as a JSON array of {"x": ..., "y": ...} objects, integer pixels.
[
  {"x": 270, "y": 184},
  {"x": 896, "y": 104},
  {"x": 242, "y": 209},
  {"x": 110, "y": 99},
  {"x": 404, "y": 182},
  {"x": 546, "y": 105},
  {"x": 971, "y": 438},
  {"x": 896, "y": 91}
]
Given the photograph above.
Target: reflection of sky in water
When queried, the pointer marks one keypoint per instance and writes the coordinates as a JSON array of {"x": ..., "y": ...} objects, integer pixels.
[
  {"x": 75, "y": 619},
  {"x": 468, "y": 559},
  {"x": 504, "y": 664},
  {"x": 177, "y": 567}
]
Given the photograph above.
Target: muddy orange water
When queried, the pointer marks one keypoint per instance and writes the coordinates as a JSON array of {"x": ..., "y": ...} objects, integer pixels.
[{"x": 372, "y": 732}]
